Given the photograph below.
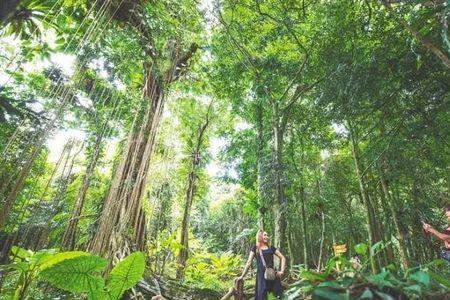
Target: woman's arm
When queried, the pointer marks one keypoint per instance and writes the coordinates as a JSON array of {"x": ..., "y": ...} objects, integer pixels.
[
  {"x": 442, "y": 236},
  {"x": 283, "y": 262},
  {"x": 247, "y": 265},
  {"x": 439, "y": 235}
]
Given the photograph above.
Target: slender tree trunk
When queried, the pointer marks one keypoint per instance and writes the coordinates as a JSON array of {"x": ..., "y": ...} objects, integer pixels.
[
  {"x": 322, "y": 239},
  {"x": 350, "y": 224},
  {"x": 190, "y": 195},
  {"x": 280, "y": 201},
  {"x": 260, "y": 163},
  {"x": 395, "y": 218},
  {"x": 304, "y": 225},
  {"x": 11, "y": 197},
  {"x": 382, "y": 169},
  {"x": 183, "y": 256},
  {"x": 363, "y": 193},
  {"x": 385, "y": 230},
  {"x": 59, "y": 197},
  {"x": 290, "y": 246},
  {"x": 68, "y": 239}
]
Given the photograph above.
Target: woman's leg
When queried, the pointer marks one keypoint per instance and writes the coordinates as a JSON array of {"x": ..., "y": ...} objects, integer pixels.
[{"x": 277, "y": 289}]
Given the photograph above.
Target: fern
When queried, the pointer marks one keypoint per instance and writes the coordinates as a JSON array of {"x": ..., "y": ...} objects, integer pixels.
[{"x": 126, "y": 274}]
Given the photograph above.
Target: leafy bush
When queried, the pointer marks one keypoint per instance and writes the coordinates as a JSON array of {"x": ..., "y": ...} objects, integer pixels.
[
  {"x": 76, "y": 271},
  {"x": 207, "y": 270},
  {"x": 163, "y": 252},
  {"x": 25, "y": 265},
  {"x": 426, "y": 282}
]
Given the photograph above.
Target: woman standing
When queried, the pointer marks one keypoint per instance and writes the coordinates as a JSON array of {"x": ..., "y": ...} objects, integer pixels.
[
  {"x": 445, "y": 236},
  {"x": 265, "y": 259}
]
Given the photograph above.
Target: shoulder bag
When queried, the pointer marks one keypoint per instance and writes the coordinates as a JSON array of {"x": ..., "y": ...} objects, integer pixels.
[{"x": 269, "y": 273}]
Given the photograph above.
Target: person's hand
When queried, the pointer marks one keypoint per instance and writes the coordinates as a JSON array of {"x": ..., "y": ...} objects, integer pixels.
[
  {"x": 427, "y": 227},
  {"x": 279, "y": 274}
]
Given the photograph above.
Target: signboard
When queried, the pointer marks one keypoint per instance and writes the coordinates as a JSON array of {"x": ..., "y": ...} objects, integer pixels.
[{"x": 339, "y": 249}]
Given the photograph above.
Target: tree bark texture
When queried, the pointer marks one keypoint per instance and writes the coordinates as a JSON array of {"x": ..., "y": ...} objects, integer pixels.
[{"x": 363, "y": 193}]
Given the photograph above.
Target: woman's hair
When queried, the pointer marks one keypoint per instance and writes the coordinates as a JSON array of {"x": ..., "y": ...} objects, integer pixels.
[
  {"x": 259, "y": 238},
  {"x": 447, "y": 207}
]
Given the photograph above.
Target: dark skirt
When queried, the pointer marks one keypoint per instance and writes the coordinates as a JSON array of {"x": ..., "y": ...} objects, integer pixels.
[
  {"x": 445, "y": 254},
  {"x": 264, "y": 287}
]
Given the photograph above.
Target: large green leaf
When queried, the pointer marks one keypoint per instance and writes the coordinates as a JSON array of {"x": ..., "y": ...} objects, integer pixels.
[
  {"x": 313, "y": 276},
  {"x": 54, "y": 259},
  {"x": 78, "y": 274},
  {"x": 439, "y": 278},
  {"x": 126, "y": 274},
  {"x": 421, "y": 277},
  {"x": 18, "y": 253},
  {"x": 361, "y": 248},
  {"x": 381, "y": 280},
  {"x": 329, "y": 294}
]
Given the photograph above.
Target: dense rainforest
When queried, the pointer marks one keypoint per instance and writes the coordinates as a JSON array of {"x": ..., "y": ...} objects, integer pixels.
[{"x": 143, "y": 144}]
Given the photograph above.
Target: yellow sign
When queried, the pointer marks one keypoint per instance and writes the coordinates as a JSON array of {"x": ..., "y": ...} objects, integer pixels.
[{"x": 339, "y": 249}]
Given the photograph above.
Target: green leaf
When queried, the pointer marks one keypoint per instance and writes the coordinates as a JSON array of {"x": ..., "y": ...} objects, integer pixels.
[
  {"x": 126, "y": 274},
  {"x": 323, "y": 293},
  {"x": 361, "y": 248},
  {"x": 78, "y": 274},
  {"x": 332, "y": 284},
  {"x": 415, "y": 288},
  {"x": 20, "y": 253},
  {"x": 54, "y": 259},
  {"x": 381, "y": 280},
  {"x": 366, "y": 295},
  {"x": 439, "y": 278},
  {"x": 313, "y": 276},
  {"x": 421, "y": 277}
]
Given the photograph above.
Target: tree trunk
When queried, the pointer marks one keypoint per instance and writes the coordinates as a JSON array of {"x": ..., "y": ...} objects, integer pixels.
[
  {"x": 11, "y": 197},
  {"x": 382, "y": 167},
  {"x": 67, "y": 179},
  {"x": 280, "y": 201},
  {"x": 350, "y": 224},
  {"x": 121, "y": 209},
  {"x": 68, "y": 239},
  {"x": 322, "y": 239},
  {"x": 304, "y": 225},
  {"x": 363, "y": 193},
  {"x": 382, "y": 229},
  {"x": 190, "y": 195},
  {"x": 184, "y": 252},
  {"x": 260, "y": 163},
  {"x": 290, "y": 246},
  {"x": 395, "y": 218}
]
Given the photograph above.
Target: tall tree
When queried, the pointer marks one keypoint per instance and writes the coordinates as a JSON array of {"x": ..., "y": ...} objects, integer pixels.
[{"x": 163, "y": 64}]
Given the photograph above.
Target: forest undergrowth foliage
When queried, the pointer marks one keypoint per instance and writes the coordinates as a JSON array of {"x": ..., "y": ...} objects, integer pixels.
[{"x": 344, "y": 278}]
